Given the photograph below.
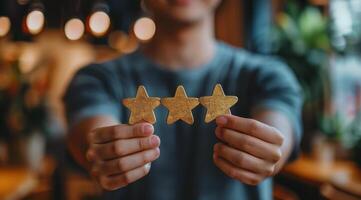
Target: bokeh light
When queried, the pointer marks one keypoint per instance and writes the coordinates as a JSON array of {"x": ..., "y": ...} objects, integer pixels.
[
  {"x": 35, "y": 22},
  {"x": 144, "y": 28},
  {"x": 5, "y": 26},
  {"x": 99, "y": 23},
  {"x": 74, "y": 29}
]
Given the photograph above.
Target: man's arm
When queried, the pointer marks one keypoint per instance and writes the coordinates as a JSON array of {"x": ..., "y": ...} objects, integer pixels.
[{"x": 283, "y": 124}]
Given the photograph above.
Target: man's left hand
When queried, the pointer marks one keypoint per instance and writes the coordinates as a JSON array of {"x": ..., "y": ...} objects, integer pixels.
[{"x": 249, "y": 149}]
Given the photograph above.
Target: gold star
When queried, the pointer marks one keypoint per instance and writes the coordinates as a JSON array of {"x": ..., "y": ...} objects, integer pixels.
[
  {"x": 180, "y": 107},
  {"x": 217, "y": 104},
  {"x": 142, "y": 107}
]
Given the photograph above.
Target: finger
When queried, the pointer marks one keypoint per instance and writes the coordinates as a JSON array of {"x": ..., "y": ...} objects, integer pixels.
[
  {"x": 123, "y": 131},
  {"x": 244, "y": 160},
  {"x": 251, "y": 127},
  {"x": 118, "y": 181},
  {"x": 125, "y": 147},
  {"x": 239, "y": 174},
  {"x": 249, "y": 144},
  {"x": 128, "y": 163}
]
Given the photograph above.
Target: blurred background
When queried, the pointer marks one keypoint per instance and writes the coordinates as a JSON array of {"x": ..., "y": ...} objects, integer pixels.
[{"x": 43, "y": 42}]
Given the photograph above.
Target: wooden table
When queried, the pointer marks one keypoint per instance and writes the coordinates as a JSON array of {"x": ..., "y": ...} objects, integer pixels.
[
  {"x": 344, "y": 175},
  {"x": 16, "y": 182}
]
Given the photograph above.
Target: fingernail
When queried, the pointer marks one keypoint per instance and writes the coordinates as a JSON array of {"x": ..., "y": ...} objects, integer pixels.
[
  {"x": 155, "y": 140},
  {"x": 221, "y": 120},
  {"x": 158, "y": 151},
  {"x": 147, "y": 166},
  {"x": 148, "y": 129}
]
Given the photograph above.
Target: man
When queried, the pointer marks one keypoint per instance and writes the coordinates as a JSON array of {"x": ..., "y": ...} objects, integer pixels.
[{"x": 231, "y": 158}]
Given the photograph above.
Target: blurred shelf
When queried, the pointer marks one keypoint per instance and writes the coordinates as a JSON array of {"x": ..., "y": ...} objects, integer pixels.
[
  {"x": 16, "y": 182},
  {"x": 344, "y": 175}
]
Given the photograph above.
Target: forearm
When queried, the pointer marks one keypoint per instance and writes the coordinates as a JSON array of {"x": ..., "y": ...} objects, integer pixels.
[
  {"x": 77, "y": 140},
  {"x": 279, "y": 121}
]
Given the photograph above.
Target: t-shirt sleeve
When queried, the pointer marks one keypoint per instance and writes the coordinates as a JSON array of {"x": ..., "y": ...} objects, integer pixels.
[
  {"x": 276, "y": 88},
  {"x": 89, "y": 94}
]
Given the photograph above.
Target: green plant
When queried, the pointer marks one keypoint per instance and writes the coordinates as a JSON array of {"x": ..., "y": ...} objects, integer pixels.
[
  {"x": 301, "y": 38},
  {"x": 333, "y": 126},
  {"x": 354, "y": 132}
]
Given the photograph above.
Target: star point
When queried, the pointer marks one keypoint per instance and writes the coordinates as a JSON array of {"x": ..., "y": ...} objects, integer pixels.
[
  {"x": 142, "y": 107},
  {"x": 218, "y": 104},
  {"x": 180, "y": 106}
]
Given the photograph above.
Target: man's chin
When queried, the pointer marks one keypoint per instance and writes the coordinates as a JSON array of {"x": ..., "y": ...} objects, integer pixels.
[
  {"x": 181, "y": 2},
  {"x": 183, "y": 17}
]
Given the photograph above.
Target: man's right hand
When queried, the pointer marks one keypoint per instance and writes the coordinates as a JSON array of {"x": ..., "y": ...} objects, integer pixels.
[{"x": 120, "y": 155}]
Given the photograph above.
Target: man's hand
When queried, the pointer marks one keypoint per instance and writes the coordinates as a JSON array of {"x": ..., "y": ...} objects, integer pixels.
[
  {"x": 249, "y": 150},
  {"x": 122, "y": 154}
]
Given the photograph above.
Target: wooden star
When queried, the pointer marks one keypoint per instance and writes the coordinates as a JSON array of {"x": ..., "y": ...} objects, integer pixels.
[
  {"x": 218, "y": 104},
  {"x": 180, "y": 107},
  {"x": 142, "y": 107}
]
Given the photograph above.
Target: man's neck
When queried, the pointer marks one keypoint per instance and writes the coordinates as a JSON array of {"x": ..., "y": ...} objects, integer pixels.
[{"x": 183, "y": 46}]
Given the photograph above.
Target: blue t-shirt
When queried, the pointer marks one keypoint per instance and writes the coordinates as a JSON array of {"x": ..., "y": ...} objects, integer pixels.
[{"x": 185, "y": 169}]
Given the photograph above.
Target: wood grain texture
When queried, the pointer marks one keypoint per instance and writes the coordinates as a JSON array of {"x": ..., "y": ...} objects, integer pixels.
[
  {"x": 229, "y": 22},
  {"x": 142, "y": 107},
  {"x": 180, "y": 106},
  {"x": 218, "y": 104}
]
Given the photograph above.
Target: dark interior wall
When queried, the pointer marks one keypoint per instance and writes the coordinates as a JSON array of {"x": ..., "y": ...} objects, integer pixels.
[
  {"x": 245, "y": 23},
  {"x": 229, "y": 22},
  {"x": 57, "y": 11}
]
